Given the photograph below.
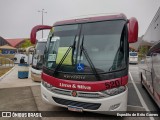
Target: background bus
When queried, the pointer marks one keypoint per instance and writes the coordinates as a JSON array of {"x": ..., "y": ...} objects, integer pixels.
[
  {"x": 37, "y": 60},
  {"x": 133, "y": 57},
  {"x": 149, "y": 67}
]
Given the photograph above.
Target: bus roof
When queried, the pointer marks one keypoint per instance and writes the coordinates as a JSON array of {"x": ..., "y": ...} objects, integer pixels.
[{"x": 92, "y": 18}]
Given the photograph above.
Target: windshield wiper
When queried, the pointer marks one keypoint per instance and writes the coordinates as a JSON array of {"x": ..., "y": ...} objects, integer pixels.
[
  {"x": 65, "y": 55},
  {"x": 89, "y": 60}
]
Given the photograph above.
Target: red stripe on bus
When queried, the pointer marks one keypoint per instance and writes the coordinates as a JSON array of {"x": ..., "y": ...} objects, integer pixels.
[{"x": 85, "y": 85}]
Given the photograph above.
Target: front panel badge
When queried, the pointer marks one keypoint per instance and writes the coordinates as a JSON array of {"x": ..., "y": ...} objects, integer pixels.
[{"x": 74, "y": 93}]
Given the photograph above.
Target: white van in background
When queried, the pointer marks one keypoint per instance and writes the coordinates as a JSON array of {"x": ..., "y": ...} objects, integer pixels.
[
  {"x": 133, "y": 57},
  {"x": 18, "y": 56}
]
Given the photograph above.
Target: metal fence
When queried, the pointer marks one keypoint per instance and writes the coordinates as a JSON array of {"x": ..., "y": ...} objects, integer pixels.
[{"x": 6, "y": 62}]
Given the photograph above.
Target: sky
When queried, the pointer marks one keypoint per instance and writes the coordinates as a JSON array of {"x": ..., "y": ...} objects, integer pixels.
[{"x": 18, "y": 17}]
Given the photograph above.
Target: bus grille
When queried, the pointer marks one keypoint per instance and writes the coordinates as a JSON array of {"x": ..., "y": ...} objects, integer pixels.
[
  {"x": 80, "y": 94},
  {"x": 84, "y": 105},
  {"x": 62, "y": 92}
]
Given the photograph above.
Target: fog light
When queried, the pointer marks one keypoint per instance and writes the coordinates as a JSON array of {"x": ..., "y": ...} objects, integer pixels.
[
  {"x": 114, "y": 106},
  {"x": 47, "y": 85},
  {"x": 45, "y": 96}
]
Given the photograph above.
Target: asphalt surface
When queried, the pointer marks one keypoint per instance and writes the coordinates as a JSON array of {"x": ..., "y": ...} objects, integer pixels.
[
  {"x": 28, "y": 98},
  {"x": 146, "y": 98}
]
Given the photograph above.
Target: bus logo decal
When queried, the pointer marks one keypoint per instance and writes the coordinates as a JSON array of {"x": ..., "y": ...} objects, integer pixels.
[
  {"x": 74, "y": 93},
  {"x": 74, "y": 77}
]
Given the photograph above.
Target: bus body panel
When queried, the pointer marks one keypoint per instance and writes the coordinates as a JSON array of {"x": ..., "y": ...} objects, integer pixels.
[
  {"x": 156, "y": 75},
  {"x": 149, "y": 67},
  {"x": 85, "y": 85},
  {"x": 91, "y": 19}
]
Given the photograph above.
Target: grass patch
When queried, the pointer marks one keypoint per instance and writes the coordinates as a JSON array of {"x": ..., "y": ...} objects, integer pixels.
[{"x": 4, "y": 70}]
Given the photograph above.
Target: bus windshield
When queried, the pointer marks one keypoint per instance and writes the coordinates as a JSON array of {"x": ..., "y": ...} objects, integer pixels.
[
  {"x": 133, "y": 54},
  {"x": 38, "y": 55},
  {"x": 40, "y": 47},
  {"x": 103, "y": 44}
]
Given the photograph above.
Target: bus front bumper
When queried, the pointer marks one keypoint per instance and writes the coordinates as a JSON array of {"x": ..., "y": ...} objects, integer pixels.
[
  {"x": 133, "y": 62},
  {"x": 109, "y": 105},
  {"x": 36, "y": 75}
]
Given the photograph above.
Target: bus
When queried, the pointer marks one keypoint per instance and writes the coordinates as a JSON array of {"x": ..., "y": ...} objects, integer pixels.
[
  {"x": 37, "y": 60},
  {"x": 149, "y": 67},
  {"x": 133, "y": 57},
  {"x": 86, "y": 63}
]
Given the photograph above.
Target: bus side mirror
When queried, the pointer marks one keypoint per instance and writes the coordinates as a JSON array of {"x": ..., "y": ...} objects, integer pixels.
[
  {"x": 132, "y": 30},
  {"x": 35, "y": 30}
]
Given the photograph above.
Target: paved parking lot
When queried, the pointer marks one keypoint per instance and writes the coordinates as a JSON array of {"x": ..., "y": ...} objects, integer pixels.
[
  {"x": 11, "y": 80},
  {"x": 24, "y": 95}
]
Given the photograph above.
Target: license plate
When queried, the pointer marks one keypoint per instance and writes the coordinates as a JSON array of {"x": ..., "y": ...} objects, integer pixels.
[{"x": 74, "y": 108}]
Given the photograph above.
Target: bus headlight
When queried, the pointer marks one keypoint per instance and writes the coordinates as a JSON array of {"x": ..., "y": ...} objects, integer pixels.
[
  {"x": 46, "y": 85},
  {"x": 115, "y": 91}
]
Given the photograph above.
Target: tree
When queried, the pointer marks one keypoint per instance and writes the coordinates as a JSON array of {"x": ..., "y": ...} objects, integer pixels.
[
  {"x": 26, "y": 44},
  {"x": 143, "y": 51}
]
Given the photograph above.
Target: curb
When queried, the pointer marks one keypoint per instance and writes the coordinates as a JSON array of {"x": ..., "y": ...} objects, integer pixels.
[{"x": 6, "y": 73}]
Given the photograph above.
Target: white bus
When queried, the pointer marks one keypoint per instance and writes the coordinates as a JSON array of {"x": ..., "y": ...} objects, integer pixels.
[
  {"x": 37, "y": 60},
  {"x": 133, "y": 57},
  {"x": 149, "y": 68},
  {"x": 86, "y": 63}
]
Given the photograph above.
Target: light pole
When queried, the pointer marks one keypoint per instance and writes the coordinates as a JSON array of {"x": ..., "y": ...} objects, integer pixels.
[{"x": 42, "y": 12}]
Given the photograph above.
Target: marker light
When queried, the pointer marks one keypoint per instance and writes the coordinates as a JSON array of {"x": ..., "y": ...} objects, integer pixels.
[
  {"x": 47, "y": 85},
  {"x": 114, "y": 106}
]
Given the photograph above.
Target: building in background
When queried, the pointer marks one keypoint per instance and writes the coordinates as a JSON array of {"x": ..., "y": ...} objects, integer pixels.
[
  {"x": 16, "y": 43},
  {"x": 3, "y": 41},
  {"x": 11, "y": 46},
  {"x": 6, "y": 49}
]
